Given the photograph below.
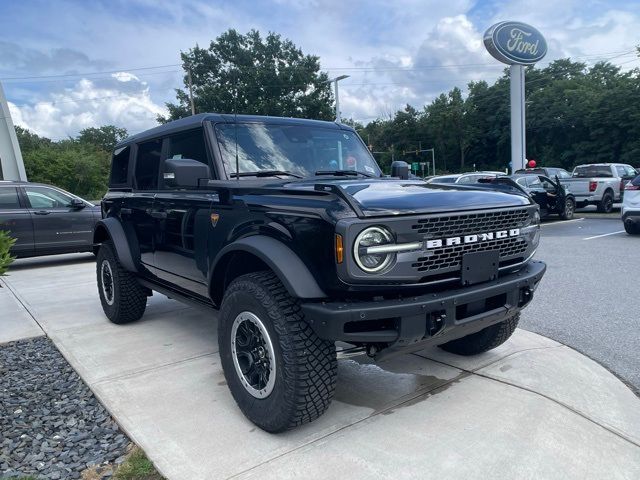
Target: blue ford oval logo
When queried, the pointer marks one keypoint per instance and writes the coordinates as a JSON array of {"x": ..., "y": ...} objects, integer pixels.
[{"x": 515, "y": 42}]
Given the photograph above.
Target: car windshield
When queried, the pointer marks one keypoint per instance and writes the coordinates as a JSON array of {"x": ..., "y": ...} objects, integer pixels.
[
  {"x": 298, "y": 149},
  {"x": 586, "y": 171}
]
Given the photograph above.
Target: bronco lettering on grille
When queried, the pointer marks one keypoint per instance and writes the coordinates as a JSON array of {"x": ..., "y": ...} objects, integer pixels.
[{"x": 466, "y": 239}]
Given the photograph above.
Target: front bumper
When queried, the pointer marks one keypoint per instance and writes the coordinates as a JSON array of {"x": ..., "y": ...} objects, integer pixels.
[{"x": 411, "y": 323}]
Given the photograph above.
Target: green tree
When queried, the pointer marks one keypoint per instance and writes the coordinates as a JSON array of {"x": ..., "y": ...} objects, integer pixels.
[
  {"x": 248, "y": 74},
  {"x": 77, "y": 166},
  {"x": 5, "y": 244},
  {"x": 105, "y": 137}
]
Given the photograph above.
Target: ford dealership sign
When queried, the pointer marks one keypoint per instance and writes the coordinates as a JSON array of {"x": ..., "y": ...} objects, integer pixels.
[{"x": 515, "y": 43}]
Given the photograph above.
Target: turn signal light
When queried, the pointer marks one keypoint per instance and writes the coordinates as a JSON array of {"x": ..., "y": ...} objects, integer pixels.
[
  {"x": 631, "y": 186},
  {"x": 339, "y": 249}
]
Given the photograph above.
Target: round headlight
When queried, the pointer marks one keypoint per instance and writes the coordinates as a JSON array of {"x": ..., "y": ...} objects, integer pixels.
[{"x": 368, "y": 260}]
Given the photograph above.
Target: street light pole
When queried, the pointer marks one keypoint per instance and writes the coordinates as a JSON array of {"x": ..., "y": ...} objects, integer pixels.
[{"x": 335, "y": 86}]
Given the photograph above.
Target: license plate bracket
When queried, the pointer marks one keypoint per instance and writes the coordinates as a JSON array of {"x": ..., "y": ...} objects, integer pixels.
[{"x": 480, "y": 267}]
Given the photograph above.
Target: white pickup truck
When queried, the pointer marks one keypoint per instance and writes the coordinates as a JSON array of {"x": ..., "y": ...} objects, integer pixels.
[{"x": 599, "y": 184}]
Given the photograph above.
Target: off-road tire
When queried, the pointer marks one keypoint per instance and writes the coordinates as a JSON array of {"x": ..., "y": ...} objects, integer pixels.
[
  {"x": 484, "y": 340},
  {"x": 129, "y": 298},
  {"x": 569, "y": 209},
  {"x": 306, "y": 366},
  {"x": 606, "y": 204}
]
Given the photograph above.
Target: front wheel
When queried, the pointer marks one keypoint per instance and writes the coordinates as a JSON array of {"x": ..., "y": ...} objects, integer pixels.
[
  {"x": 484, "y": 340},
  {"x": 280, "y": 373},
  {"x": 569, "y": 209}
]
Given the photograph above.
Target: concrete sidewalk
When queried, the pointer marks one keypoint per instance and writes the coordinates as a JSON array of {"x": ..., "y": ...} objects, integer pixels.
[{"x": 532, "y": 408}]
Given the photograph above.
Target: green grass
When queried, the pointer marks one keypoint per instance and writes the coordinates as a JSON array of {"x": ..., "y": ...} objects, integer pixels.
[{"x": 137, "y": 467}]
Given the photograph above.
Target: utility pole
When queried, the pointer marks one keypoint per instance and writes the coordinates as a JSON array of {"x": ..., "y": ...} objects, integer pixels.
[{"x": 193, "y": 107}]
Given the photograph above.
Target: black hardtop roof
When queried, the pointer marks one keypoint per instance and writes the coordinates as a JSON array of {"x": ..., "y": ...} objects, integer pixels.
[{"x": 197, "y": 120}]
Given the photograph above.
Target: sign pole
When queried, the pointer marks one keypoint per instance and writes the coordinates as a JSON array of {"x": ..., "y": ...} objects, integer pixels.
[
  {"x": 518, "y": 133},
  {"x": 516, "y": 44},
  {"x": 11, "y": 164}
]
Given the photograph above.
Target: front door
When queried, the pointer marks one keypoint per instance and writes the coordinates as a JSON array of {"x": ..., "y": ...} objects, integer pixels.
[
  {"x": 183, "y": 221},
  {"x": 57, "y": 224}
]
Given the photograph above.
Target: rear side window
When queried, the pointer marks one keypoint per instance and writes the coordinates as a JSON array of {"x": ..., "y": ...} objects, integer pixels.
[
  {"x": 148, "y": 165},
  {"x": 120, "y": 166},
  {"x": 188, "y": 145},
  {"x": 9, "y": 198},
  {"x": 586, "y": 171}
]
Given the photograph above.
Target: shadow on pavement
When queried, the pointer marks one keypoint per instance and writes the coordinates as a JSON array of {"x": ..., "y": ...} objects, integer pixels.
[{"x": 51, "y": 261}]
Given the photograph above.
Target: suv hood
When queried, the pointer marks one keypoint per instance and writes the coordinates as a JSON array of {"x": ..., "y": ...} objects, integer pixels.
[{"x": 385, "y": 197}]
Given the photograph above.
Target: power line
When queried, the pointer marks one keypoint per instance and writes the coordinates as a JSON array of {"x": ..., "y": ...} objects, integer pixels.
[{"x": 349, "y": 68}]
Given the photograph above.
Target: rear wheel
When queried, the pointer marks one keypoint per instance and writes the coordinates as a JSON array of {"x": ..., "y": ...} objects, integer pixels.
[
  {"x": 484, "y": 340},
  {"x": 606, "y": 204},
  {"x": 123, "y": 298},
  {"x": 632, "y": 228},
  {"x": 569, "y": 209},
  {"x": 280, "y": 373}
]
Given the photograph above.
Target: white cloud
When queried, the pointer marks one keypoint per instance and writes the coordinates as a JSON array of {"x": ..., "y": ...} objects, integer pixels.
[{"x": 88, "y": 104}]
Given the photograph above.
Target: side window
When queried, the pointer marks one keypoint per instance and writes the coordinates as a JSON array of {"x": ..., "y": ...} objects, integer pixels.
[
  {"x": 188, "y": 145},
  {"x": 534, "y": 182},
  {"x": 43, "y": 197},
  {"x": 148, "y": 165},
  {"x": 9, "y": 198},
  {"x": 120, "y": 166},
  {"x": 621, "y": 171}
]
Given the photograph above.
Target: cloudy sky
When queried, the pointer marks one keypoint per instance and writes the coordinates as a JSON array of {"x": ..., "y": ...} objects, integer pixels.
[{"x": 67, "y": 65}]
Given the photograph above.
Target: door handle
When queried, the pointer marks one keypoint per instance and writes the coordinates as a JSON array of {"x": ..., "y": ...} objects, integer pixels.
[
  {"x": 42, "y": 212},
  {"x": 158, "y": 214}
]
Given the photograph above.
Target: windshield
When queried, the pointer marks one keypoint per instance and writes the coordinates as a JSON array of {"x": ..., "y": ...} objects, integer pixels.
[{"x": 299, "y": 149}]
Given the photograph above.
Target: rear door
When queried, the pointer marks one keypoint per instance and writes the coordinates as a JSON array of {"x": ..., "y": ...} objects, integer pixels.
[
  {"x": 57, "y": 225},
  {"x": 183, "y": 220},
  {"x": 137, "y": 207},
  {"x": 16, "y": 220}
]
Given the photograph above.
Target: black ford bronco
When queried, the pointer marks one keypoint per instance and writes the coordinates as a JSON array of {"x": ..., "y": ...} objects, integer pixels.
[{"x": 290, "y": 230}]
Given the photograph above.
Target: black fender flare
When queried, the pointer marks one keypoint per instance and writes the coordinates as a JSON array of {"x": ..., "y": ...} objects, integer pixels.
[
  {"x": 116, "y": 233},
  {"x": 292, "y": 272}
]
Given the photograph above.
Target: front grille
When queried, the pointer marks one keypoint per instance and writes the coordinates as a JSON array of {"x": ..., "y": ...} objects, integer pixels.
[
  {"x": 446, "y": 261},
  {"x": 471, "y": 223},
  {"x": 448, "y": 258}
]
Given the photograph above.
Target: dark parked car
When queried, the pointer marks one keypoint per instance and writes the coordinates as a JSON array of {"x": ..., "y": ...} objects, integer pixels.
[
  {"x": 46, "y": 220},
  {"x": 288, "y": 228},
  {"x": 553, "y": 197}
]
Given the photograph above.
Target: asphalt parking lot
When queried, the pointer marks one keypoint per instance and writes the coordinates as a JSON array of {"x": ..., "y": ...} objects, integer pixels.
[{"x": 589, "y": 298}]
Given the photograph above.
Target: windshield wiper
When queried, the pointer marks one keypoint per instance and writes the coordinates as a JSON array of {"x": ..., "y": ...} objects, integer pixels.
[
  {"x": 343, "y": 173},
  {"x": 266, "y": 173}
]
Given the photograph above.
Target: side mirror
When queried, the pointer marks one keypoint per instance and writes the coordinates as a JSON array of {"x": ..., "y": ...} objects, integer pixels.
[
  {"x": 77, "y": 204},
  {"x": 184, "y": 173},
  {"x": 400, "y": 170}
]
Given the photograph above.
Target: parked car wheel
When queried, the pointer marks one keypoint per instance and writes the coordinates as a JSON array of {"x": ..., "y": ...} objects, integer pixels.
[
  {"x": 632, "y": 228},
  {"x": 569, "y": 209},
  {"x": 123, "y": 298},
  {"x": 280, "y": 373},
  {"x": 484, "y": 340},
  {"x": 606, "y": 204}
]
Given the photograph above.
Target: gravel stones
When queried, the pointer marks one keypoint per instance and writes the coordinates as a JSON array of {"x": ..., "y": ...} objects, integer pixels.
[{"x": 51, "y": 425}]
